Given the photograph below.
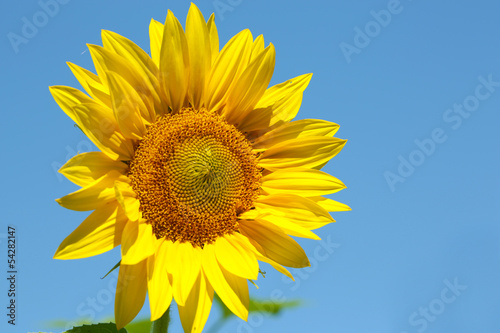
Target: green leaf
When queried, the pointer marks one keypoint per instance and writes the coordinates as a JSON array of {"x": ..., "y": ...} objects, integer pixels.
[
  {"x": 273, "y": 308},
  {"x": 97, "y": 328},
  {"x": 269, "y": 307},
  {"x": 139, "y": 326},
  {"x": 263, "y": 306}
]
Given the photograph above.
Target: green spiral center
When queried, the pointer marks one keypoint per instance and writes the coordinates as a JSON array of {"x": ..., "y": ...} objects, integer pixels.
[{"x": 208, "y": 175}]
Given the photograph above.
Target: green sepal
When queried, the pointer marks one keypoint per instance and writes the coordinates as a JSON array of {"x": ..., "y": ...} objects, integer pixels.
[
  {"x": 112, "y": 269},
  {"x": 76, "y": 125}
]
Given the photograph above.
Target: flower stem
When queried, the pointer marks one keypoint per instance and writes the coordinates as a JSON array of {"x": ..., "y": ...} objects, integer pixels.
[{"x": 161, "y": 325}]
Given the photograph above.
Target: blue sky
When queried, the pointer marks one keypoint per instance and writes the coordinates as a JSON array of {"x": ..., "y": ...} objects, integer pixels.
[{"x": 415, "y": 86}]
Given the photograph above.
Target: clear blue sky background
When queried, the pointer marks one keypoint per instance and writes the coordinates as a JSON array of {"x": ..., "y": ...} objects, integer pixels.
[{"x": 393, "y": 258}]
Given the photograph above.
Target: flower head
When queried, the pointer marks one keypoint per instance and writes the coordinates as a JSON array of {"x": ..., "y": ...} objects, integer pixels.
[{"x": 201, "y": 171}]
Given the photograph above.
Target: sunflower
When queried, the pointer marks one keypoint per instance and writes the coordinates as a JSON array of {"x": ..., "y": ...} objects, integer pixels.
[{"x": 201, "y": 171}]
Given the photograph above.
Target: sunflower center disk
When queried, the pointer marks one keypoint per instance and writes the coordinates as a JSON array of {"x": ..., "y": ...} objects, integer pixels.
[{"x": 193, "y": 174}]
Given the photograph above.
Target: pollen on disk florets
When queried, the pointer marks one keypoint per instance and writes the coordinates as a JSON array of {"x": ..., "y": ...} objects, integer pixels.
[{"x": 193, "y": 174}]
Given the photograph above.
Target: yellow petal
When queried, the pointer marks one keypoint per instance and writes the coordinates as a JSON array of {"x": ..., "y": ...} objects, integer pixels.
[
  {"x": 307, "y": 152},
  {"x": 129, "y": 109},
  {"x": 231, "y": 61},
  {"x": 124, "y": 47},
  {"x": 101, "y": 231},
  {"x": 127, "y": 199},
  {"x": 95, "y": 120},
  {"x": 330, "y": 205},
  {"x": 67, "y": 98},
  {"x": 275, "y": 243},
  {"x": 259, "y": 254},
  {"x": 141, "y": 63},
  {"x": 301, "y": 181},
  {"x": 278, "y": 105},
  {"x": 311, "y": 225},
  {"x": 92, "y": 84},
  {"x": 250, "y": 214},
  {"x": 301, "y": 211},
  {"x": 198, "y": 42},
  {"x": 130, "y": 292},
  {"x": 159, "y": 286},
  {"x": 86, "y": 168},
  {"x": 194, "y": 313},
  {"x": 99, "y": 125},
  {"x": 250, "y": 86},
  {"x": 155, "y": 38},
  {"x": 93, "y": 195},
  {"x": 184, "y": 263},
  {"x": 284, "y": 90},
  {"x": 296, "y": 129},
  {"x": 137, "y": 242},
  {"x": 214, "y": 38},
  {"x": 261, "y": 120},
  {"x": 232, "y": 290},
  {"x": 293, "y": 207},
  {"x": 236, "y": 258},
  {"x": 288, "y": 226},
  {"x": 257, "y": 47},
  {"x": 258, "y": 251},
  {"x": 107, "y": 61},
  {"x": 276, "y": 266},
  {"x": 174, "y": 62}
]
